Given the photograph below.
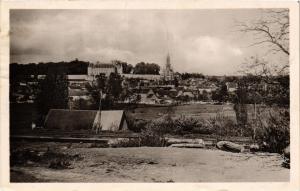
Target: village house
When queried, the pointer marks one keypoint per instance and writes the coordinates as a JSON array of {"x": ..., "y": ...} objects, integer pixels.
[
  {"x": 149, "y": 98},
  {"x": 231, "y": 87},
  {"x": 76, "y": 94}
]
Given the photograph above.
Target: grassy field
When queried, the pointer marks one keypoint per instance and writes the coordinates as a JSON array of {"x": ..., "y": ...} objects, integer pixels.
[
  {"x": 200, "y": 111},
  {"x": 21, "y": 115}
]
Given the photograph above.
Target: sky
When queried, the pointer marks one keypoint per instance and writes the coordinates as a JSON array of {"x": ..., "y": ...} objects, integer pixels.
[{"x": 203, "y": 41}]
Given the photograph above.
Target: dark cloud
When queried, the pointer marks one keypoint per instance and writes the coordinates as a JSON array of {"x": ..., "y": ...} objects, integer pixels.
[{"x": 198, "y": 40}]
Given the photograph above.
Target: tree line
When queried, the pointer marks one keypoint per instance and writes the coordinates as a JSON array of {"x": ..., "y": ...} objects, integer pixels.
[{"x": 77, "y": 67}]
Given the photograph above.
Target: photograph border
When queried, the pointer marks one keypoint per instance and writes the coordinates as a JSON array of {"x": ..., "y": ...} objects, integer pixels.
[{"x": 6, "y": 6}]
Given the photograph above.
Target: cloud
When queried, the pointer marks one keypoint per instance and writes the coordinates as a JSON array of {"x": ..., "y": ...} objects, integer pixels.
[
  {"x": 207, "y": 54},
  {"x": 198, "y": 40}
]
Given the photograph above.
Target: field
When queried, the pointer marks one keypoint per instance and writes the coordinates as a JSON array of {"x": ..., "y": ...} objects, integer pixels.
[
  {"x": 150, "y": 164},
  {"x": 21, "y": 115},
  {"x": 201, "y": 111}
]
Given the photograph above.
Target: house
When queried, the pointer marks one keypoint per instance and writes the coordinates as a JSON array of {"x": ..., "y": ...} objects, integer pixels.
[
  {"x": 187, "y": 94},
  {"x": 149, "y": 98},
  {"x": 76, "y": 94},
  {"x": 62, "y": 119},
  {"x": 77, "y": 79},
  {"x": 231, "y": 86},
  {"x": 102, "y": 68}
]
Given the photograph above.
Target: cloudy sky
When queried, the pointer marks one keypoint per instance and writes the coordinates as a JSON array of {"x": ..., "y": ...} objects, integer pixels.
[{"x": 205, "y": 41}]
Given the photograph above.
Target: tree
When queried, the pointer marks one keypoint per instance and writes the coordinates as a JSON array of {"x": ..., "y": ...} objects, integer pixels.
[
  {"x": 97, "y": 88},
  {"x": 264, "y": 83},
  {"x": 146, "y": 68},
  {"x": 127, "y": 68},
  {"x": 80, "y": 104},
  {"x": 221, "y": 94},
  {"x": 240, "y": 106},
  {"x": 52, "y": 93},
  {"x": 114, "y": 86},
  {"x": 273, "y": 30},
  {"x": 186, "y": 76},
  {"x": 107, "y": 89}
]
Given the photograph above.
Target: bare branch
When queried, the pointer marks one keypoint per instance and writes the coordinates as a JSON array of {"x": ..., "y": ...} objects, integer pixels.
[{"x": 273, "y": 29}]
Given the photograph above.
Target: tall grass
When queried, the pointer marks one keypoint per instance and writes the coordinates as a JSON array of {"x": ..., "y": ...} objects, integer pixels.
[{"x": 271, "y": 129}]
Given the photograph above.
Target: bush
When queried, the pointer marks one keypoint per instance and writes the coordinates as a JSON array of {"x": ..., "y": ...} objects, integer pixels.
[
  {"x": 272, "y": 130},
  {"x": 153, "y": 135},
  {"x": 225, "y": 126},
  {"x": 135, "y": 125},
  {"x": 183, "y": 125}
]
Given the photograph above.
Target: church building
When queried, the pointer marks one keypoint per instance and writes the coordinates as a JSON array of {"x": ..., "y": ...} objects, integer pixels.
[{"x": 168, "y": 73}]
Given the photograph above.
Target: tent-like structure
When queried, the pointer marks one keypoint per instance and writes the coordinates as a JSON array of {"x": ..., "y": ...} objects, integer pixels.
[{"x": 111, "y": 120}]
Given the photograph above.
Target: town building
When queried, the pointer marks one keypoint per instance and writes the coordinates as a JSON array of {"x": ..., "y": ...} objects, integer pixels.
[{"x": 103, "y": 68}]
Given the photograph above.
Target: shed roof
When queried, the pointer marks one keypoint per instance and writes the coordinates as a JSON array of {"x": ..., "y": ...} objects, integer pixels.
[
  {"x": 111, "y": 120},
  {"x": 70, "y": 119}
]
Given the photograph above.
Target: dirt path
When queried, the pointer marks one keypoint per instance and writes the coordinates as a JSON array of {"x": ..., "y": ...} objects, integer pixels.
[{"x": 150, "y": 164}]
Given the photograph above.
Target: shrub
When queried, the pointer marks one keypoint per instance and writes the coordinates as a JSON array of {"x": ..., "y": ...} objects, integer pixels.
[
  {"x": 135, "y": 125},
  {"x": 128, "y": 143},
  {"x": 153, "y": 134},
  {"x": 272, "y": 130},
  {"x": 183, "y": 125},
  {"x": 225, "y": 126}
]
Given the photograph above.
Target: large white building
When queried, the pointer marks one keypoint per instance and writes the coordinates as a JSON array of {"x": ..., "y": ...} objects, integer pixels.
[{"x": 104, "y": 68}]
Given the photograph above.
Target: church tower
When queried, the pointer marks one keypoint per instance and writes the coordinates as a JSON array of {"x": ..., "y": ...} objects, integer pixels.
[{"x": 168, "y": 72}]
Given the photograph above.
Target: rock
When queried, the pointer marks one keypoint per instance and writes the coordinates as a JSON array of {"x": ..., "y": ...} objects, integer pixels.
[
  {"x": 188, "y": 145},
  {"x": 152, "y": 162},
  {"x": 286, "y": 152},
  {"x": 230, "y": 146},
  {"x": 254, "y": 147},
  {"x": 171, "y": 141}
]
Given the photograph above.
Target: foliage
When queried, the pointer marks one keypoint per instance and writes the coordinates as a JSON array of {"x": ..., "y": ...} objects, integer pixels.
[
  {"x": 272, "y": 129},
  {"x": 152, "y": 135},
  {"x": 81, "y": 104},
  {"x": 53, "y": 93},
  {"x": 146, "y": 68},
  {"x": 114, "y": 87},
  {"x": 221, "y": 94},
  {"x": 185, "y": 76},
  {"x": 73, "y": 67},
  {"x": 127, "y": 68},
  {"x": 105, "y": 89},
  {"x": 225, "y": 126},
  {"x": 240, "y": 106}
]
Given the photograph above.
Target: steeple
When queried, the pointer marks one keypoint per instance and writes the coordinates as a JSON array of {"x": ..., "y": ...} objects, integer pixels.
[{"x": 168, "y": 64}]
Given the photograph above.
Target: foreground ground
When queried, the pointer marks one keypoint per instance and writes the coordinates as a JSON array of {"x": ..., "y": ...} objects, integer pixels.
[{"x": 151, "y": 164}]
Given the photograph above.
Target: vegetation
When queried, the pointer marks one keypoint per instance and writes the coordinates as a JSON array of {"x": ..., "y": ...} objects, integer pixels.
[
  {"x": 72, "y": 67},
  {"x": 271, "y": 129},
  {"x": 268, "y": 84},
  {"x": 146, "y": 68},
  {"x": 185, "y": 76},
  {"x": 52, "y": 93},
  {"x": 108, "y": 90}
]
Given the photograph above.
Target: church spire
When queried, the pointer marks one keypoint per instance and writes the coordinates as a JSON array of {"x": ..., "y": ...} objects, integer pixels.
[{"x": 168, "y": 64}]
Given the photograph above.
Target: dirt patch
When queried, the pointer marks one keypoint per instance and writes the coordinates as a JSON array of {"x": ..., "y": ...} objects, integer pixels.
[
  {"x": 156, "y": 164},
  {"x": 51, "y": 159}
]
